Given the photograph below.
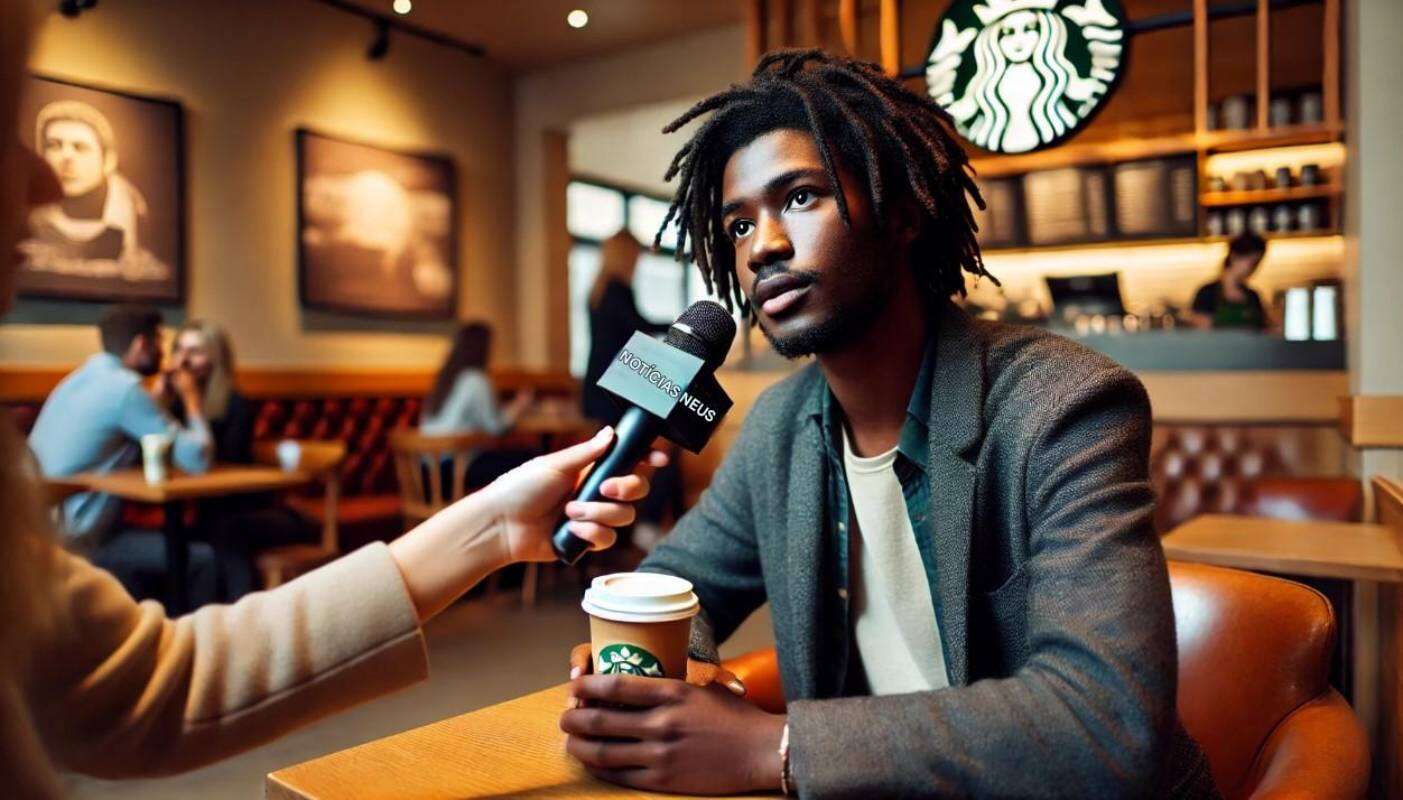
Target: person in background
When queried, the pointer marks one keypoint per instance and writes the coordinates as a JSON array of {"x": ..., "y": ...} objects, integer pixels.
[
  {"x": 237, "y": 527},
  {"x": 613, "y": 319},
  {"x": 1229, "y": 302},
  {"x": 94, "y": 682},
  {"x": 93, "y": 421},
  {"x": 464, "y": 401}
]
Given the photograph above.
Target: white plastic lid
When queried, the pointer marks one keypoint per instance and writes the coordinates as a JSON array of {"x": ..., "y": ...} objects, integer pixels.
[{"x": 640, "y": 597}]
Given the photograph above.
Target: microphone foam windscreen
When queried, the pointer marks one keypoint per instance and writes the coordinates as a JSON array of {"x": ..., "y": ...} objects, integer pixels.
[{"x": 705, "y": 330}]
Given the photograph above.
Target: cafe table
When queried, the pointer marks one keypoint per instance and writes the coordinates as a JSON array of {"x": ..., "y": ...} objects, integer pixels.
[
  {"x": 222, "y": 480},
  {"x": 1368, "y": 555},
  {"x": 513, "y": 749}
]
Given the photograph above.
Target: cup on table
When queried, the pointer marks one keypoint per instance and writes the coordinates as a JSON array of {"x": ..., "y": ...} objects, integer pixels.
[
  {"x": 289, "y": 455},
  {"x": 640, "y": 624},
  {"x": 155, "y": 456}
]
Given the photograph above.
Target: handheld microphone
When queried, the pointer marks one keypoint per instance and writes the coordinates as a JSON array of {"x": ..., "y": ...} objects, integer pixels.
[{"x": 668, "y": 389}]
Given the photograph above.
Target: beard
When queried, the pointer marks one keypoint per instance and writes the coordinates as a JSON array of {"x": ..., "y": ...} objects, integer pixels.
[{"x": 846, "y": 324}]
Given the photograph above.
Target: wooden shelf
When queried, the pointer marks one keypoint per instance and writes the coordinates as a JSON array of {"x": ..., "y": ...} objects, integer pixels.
[
  {"x": 1258, "y": 196},
  {"x": 1120, "y": 150},
  {"x": 1135, "y": 243}
]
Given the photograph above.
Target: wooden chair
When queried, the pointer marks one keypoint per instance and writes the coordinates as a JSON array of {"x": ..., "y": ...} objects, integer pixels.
[
  {"x": 322, "y": 459},
  {"x": 423, "y": 490}
]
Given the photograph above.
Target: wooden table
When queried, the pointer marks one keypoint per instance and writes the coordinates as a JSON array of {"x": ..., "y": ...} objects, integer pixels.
[
  {"x": 514, "y": 749},
  {"x": 1371, "y": 556},
  {"x": 222, "y": 480}
]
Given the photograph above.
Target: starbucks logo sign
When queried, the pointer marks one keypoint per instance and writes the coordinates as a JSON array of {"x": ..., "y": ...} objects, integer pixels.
[
  {"x": 623, "y": 659},
  {"x": 1021, "y": 75}
]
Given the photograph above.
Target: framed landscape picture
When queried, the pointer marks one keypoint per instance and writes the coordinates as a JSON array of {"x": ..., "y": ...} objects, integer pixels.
[
  {"x": 376, "y": 229},
  {"x": 118, "y": 234}
]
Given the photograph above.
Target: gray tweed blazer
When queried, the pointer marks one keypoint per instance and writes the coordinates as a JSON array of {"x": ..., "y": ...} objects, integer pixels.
[{"x": 1053, "y": 592}]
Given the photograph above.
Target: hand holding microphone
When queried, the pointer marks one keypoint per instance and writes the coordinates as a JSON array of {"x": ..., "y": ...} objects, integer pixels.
[{"x": 669, "y": 389}]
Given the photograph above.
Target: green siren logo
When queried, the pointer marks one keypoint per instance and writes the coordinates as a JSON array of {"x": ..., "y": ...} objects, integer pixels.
[
  {"x": 1021, "y": 75},
  {"x": 624, "y": 659}
]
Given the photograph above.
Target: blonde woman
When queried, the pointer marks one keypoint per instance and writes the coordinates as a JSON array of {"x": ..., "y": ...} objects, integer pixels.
[
  {"x": 202, "y": 349},
  {"x": 93, "y": 682}
]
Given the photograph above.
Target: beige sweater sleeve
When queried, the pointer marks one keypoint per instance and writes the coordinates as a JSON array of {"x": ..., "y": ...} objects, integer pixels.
[{"x": 119, "y": 690}]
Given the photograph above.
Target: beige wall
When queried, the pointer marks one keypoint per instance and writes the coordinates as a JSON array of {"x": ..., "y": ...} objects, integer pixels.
[
  {"x": 552, "y": 99},
  {"x": 248, "y": 74}
]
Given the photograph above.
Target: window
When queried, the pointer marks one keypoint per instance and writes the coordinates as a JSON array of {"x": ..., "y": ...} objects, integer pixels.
[{"x": 662, "y": 287}]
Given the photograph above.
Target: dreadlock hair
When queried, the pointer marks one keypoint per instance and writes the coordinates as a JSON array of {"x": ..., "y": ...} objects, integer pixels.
[{"x": 898, "y": 142}]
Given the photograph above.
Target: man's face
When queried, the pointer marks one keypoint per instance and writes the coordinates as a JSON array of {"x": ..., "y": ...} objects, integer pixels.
[
  {"x": 144, "y": 354},
  {"x": 815, "y": 283},
  {"x": 74, "y": 151}
]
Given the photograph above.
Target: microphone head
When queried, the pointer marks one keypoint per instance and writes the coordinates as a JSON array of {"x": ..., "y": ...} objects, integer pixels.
[{"x": 705, "y": 330}]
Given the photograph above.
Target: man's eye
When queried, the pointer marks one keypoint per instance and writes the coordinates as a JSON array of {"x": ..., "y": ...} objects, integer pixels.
[
  {"x": 740, "y": 228},
  {"x": 802, "y": 198}
]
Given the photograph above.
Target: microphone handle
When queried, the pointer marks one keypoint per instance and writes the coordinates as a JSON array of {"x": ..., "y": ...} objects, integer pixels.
[{"x": 633, "y": 439}]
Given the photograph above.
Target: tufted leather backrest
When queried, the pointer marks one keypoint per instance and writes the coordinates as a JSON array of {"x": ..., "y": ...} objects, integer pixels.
[
  {"x": 1211, "y": 469},
  {"x": 1252, "y": 649},
  {"x": 362, "y": 423}
]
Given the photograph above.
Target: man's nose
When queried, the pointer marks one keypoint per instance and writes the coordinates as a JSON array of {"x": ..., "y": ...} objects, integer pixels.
[{"x": 772, "y": 244}]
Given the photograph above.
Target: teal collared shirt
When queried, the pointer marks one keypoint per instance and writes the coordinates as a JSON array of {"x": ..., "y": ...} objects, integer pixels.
[{"x": 912, "y": 464}]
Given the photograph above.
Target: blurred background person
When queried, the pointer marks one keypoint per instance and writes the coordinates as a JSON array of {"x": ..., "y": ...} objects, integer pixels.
[
  {"x": 613, "y": 318},
  {"x": 1229, "y": 302},
  {"x": 464, "y": 401},
  {"x": 238, "y": 526}
]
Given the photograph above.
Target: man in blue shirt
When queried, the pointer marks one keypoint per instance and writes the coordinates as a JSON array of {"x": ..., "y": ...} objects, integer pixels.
[{"x": 94, "y": 419}]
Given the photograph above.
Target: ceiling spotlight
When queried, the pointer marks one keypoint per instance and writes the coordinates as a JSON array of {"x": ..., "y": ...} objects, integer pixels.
[
  {"x": 403, "y": 6},
  {"x": 72, "y": 8},
  {"x": 577, "y": 18},
  {"x": 380, "y": 45}
]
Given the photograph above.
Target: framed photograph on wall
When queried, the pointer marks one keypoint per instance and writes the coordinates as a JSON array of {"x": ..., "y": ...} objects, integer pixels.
[
  {"x": 118, "y": 234},
  {"x": 376, "y": 229}
]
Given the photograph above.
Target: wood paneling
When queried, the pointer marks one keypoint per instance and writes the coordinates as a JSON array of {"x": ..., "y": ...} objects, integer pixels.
[
  {"x": 1372, "y": 420},
  {"x": 33, "y": 384},
  {"x": 1247, "y": 397}
]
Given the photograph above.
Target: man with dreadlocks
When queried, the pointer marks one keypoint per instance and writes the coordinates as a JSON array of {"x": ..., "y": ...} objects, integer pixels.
[{"x": 949, "y": 518}]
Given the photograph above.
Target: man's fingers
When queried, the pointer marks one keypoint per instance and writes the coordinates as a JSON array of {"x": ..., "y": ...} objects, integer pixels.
[
  {"x": 628, "y": 690},
  {"x": 658, "y": 459},
  {"x": 608, "y": 723},
  {"x": 729, "y": 680},
  {"x": 632, "y": 777},
  {"x": 581, "y": 660},
  {"x": 602, "y": 754},
  {"x": 614, "y": 515}
]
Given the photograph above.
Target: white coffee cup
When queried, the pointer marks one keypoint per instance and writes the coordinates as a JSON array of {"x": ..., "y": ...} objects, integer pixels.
[
  {"x": 155, "y": 457},
  {"x": 640, "y": 623},
  {"x": 289, "y": 455}
]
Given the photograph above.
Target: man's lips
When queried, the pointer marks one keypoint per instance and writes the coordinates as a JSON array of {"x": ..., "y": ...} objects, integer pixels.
[{"x": 779, "y": 293}]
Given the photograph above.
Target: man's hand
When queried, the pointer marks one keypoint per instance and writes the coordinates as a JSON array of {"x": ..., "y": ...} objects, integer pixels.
[
  {"x": 699, "y": 673},
  {"x": 665, "y": 735}
]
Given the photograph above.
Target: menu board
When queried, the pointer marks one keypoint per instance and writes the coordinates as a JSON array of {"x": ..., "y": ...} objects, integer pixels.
[
  {"x": 1066, "y": 205},
  {"x": 1155, "y": 198},
  {"x": 1000, "y": 223}
]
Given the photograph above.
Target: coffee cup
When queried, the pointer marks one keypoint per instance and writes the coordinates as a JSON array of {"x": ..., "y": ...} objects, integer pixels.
[
  {"x": 640, "y": 624},
  {"x": 289, "y": 454},
  {"x": 155, "y": 457}
]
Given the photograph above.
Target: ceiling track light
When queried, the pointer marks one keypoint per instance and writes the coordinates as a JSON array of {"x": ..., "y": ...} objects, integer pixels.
[
  {"x": 72, "y": 8},
  {"x": 380, "y": 45}
]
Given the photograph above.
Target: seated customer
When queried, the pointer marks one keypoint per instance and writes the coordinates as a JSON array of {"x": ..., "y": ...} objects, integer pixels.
[
  {"x": 93, "y": 421},
  {"x": 464, "y": 401},
  {"x": 238, "y": 526},
  {"x": 950, "y": 518}
]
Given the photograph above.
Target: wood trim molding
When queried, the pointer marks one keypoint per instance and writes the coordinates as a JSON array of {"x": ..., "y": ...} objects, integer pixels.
[
  {"x": 33, "y": 384},
  {"x": 1388, "y": 501},
  {"x": 1372, "y": 420},
  {"x": 1265, "y": 397}
]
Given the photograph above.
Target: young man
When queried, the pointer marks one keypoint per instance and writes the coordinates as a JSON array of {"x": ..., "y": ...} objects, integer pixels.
[
  {"x": 950, "y": 519},
  {"x": 93, "y": 421}
]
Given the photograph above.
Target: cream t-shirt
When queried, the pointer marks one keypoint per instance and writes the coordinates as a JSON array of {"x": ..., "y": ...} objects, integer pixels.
[{"x": 897, "y": 634}]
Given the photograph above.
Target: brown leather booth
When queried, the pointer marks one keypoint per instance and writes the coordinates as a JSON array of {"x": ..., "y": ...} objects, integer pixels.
[
  {"x": 1281, "y": 471},
  {"x": 1254, "y": 656}
]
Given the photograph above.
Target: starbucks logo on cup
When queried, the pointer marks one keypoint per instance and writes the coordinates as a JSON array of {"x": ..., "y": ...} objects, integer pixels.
[
  {"x": 626, "y": 659},
  {"x": 1021, "y": 75}
]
